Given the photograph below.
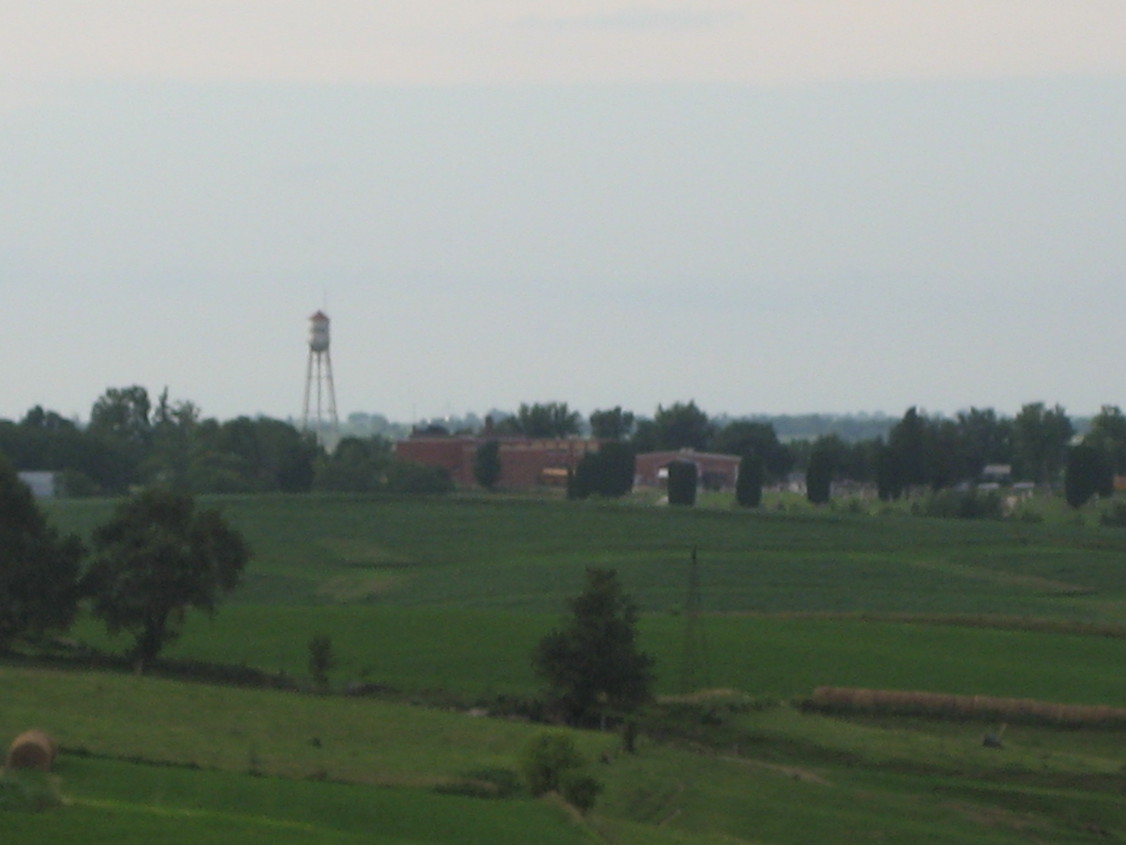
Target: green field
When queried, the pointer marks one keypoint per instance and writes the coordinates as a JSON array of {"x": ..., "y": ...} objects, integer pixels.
[{"x": 441, "y": 600}]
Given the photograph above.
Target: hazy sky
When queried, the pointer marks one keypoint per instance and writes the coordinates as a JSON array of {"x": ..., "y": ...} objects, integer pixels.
[{"x": 816, "y": 205}]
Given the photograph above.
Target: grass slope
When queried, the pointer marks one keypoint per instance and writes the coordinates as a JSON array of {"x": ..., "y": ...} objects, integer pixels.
[
  {"x": 785, "y": 778},
  {"x": 117, "y": 802}
]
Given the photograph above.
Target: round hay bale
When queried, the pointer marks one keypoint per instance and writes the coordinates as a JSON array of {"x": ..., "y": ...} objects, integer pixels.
[{"x": 32, "y": 749}]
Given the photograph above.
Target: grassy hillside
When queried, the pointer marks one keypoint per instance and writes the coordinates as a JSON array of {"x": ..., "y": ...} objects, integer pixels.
[
  {"x": 442, "y": 600},
  {"x": 232, "y": 765},
  {"x": 117, "y": 802}
]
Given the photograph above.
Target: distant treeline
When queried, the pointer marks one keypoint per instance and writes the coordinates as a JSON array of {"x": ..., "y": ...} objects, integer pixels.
[
  {"x": 131, "y": 440},
  {"x": 849, "y": 427}
]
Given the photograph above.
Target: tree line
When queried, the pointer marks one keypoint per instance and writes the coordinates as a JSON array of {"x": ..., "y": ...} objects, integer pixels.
[
  {"x": 921, "y": 451},
  {"x": 131, "y": 441},
  {"x": 155, "y": 558}
]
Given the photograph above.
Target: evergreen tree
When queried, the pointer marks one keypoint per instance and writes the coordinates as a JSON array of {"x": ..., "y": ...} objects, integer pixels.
[
  {"x": 1088, "y": 472},
  {"x": 608, "y": 472},
  {"x": 486, "y": 464},
  {"x": 748, "y": 487},
  {"x": 593, "y": 666},
  {"x": 819, "y": 473},
  {"x": 683, "y": 480}
]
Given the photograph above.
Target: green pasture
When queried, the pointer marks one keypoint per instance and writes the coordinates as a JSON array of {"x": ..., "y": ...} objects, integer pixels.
[
  {"x": 450, "y": 594},
  {"x": 476, "y": 655},
  {"x": 529, "y": 555}
]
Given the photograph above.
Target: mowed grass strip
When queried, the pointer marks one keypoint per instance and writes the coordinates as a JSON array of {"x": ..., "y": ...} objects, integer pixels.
[{"x": 111, "y": 801}]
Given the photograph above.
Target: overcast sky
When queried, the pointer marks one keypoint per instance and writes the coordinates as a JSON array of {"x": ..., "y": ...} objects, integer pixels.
[{"x": 816, "y": 205}]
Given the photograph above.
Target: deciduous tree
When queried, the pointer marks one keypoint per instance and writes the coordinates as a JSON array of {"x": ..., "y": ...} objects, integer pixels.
[
  {"x": 38, "y": 568},
  {"x": 156, "y": 558},
  {"x": 747, "y": 437},
  {"x": 1040, "y": 438},
  {"x": 612, "y": 424},
  {"x": 682, "y": 426},
  {"x": 550, "y": 419}
]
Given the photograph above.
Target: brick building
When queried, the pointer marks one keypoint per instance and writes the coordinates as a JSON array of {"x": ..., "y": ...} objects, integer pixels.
[
  {"x": 525, "y": 462},
  {"x": 715, "y": 472}
]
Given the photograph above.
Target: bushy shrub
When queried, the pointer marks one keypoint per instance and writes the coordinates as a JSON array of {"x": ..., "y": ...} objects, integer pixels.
[
  {"x": 580, "y": 789},
  {"x": 1114, "y": 516},
  {"x": 551, "y": 762},
  {"x": 545, "y": 759},
  {"x": 961, "y": 504}
]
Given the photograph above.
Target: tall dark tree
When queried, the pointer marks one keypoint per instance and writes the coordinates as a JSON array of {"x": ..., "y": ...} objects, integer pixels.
[
  {"x": 1108, "y": 435},
  {"x": 486, "y": 464},
  {"x": 593, "y": 666},
  {"x": 746, "y": 437},
  {"x": 608, "y": 472},
  {"x": 644, "y": 437},
  {"x": 123, "y": 412},
  {"x": 119, "y": 421},
  {"x": 612, "y": 424},
  {"x": 823, "y": 461},
  {"x": 174, "y": 428},
  {"x": 682, "y": 426},
  {"x": 889, "y": 477},
  {"x": 550, "y": 419},
  {"x": 683, "y": 480},
  {"x": 1087, "y": 473},
  {"x": 748, "y": 486},
  {"x": 156, "y": 558},
  {"x": 38, "y": 568},
  {"x": 945, "y": 461},
  {"x": 987, "y": 439},
  {"x": 1040, "y": 438},
  {"x": 907, "y": 441}
]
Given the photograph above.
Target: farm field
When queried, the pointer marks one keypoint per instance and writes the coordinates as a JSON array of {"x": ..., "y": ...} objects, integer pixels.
[
  {"x": 441, "y": 600},
  {"x": 451, "y": 594}
]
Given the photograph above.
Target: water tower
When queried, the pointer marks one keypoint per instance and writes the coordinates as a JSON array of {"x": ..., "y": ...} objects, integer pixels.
[{"x": 318, "y": 380}]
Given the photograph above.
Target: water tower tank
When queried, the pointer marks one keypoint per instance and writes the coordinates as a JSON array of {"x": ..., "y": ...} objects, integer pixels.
[{"x": 318, "y": 332}]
